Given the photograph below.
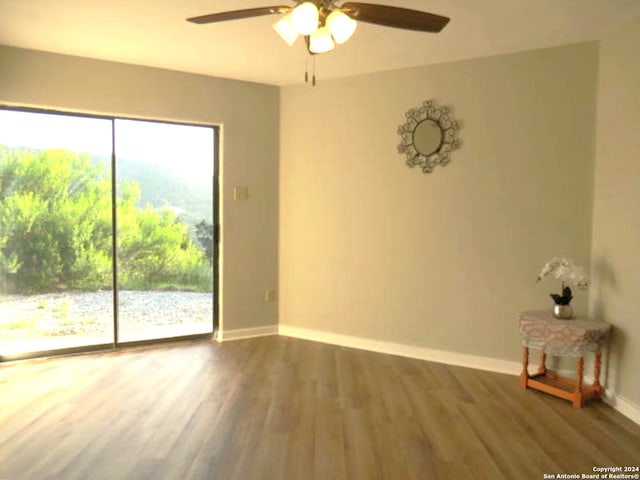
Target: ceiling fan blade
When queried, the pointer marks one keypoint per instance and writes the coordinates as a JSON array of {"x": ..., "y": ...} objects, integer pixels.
[
  {"x": 238, "y": 14},
  {"x": 395, "y": 17}
]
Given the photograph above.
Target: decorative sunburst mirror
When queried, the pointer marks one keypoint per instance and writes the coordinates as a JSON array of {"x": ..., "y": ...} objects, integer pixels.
[{"x": 429, "y": 135}]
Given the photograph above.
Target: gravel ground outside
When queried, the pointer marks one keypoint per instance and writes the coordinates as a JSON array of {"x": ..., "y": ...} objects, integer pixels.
[{"x": 31, "y": 317}]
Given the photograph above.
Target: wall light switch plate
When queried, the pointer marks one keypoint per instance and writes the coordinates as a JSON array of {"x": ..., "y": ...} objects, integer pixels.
[{"x": 240, "y": 193}]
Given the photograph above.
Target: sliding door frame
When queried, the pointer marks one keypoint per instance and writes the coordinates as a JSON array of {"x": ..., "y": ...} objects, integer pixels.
[{"x": 116, "y": 344}]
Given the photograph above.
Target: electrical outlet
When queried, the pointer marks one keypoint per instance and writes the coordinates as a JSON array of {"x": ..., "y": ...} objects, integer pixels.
[{"x": 269, "y": 296}]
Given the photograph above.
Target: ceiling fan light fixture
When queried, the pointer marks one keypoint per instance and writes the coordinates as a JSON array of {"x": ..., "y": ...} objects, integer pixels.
[
  {"x": 321, "y": 41},
  {"x": 284, "y": 28},
  {"x": 341, "y": 26},
  {"x": 304, "y": 18}
]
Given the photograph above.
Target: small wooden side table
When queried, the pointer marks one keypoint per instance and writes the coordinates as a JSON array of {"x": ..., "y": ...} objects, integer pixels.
[{"x": 540, "y": 330}]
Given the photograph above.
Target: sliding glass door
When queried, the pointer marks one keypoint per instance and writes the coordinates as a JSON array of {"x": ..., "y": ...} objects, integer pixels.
[
  {"x": 164, "y": 229},
  {"x": 55, "y": 232},
  {"x": 69, "y": 186}
]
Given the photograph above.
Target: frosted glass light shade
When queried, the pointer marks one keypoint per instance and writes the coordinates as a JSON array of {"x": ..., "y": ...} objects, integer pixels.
[
  {"x": 320, "y": 41},
  {"x": 285, "y": 29},
  {"x": 304, "y": 18},
  {"x": 341, "y": 26}
]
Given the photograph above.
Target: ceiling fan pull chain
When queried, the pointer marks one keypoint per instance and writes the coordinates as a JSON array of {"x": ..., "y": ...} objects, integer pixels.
[
  {"x": 306, "y": 70},
  {"x": 313, "y": 80}
]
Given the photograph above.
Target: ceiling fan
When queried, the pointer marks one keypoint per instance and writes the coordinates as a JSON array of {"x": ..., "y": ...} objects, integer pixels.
[{"x": 323, "y": 24}]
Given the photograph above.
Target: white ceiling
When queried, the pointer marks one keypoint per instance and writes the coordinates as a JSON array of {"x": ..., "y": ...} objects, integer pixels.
[{"x": 155, "y": 33}]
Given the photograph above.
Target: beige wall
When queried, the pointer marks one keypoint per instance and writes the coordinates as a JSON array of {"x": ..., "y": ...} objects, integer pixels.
[
  {"x": 248, "y": 115},
  {"x": 615, "y": 295},
  {"x": 373, "y": 249}
]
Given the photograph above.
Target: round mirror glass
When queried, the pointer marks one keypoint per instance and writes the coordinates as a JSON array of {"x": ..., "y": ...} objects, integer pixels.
[{"x": 427, "y": 137}]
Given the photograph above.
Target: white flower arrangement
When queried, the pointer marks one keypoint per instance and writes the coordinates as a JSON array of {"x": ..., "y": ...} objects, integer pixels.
[{"x": 563, "y": 269}]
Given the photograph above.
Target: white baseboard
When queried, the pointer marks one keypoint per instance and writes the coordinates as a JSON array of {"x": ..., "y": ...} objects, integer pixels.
[
  {"x": 241, "y": 333},
  {"x": 611, "y": 398},
  {"x": 623, "y": 405},
  {"x": 411, "y": 351},
  {"x": 618, "y": 402}
]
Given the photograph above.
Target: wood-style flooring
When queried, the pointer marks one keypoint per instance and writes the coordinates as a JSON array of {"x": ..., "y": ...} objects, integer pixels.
[{"x": 281, "y": 408}]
